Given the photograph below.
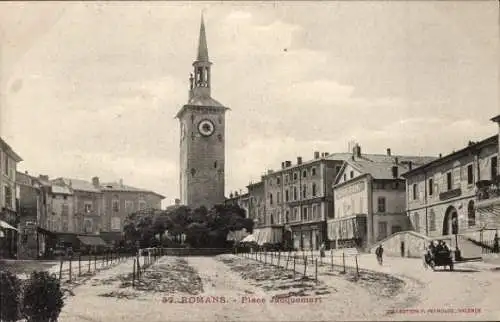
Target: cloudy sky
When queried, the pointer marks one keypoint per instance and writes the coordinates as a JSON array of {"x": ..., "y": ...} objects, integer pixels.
[{"x": 91, "y": 89}]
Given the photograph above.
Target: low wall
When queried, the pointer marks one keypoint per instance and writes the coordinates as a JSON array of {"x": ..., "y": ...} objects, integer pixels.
[{"x": 403, "y": 244}]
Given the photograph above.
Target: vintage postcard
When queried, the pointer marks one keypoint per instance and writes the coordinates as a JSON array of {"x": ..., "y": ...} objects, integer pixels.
[{"x": 249, "y": 161}]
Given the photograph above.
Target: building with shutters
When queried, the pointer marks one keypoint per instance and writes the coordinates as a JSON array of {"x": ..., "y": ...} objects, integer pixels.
[
  {"x": 9, "y": 217},
  {"x": 448, "y": 196},
  {"x": 370, "y": 198}
]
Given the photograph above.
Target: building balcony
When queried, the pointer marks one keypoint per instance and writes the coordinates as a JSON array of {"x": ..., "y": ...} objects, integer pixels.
[{"x": 450, "y": 194}]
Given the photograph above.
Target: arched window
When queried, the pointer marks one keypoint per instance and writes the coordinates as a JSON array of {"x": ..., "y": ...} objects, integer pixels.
[
  {"x": 270, "y": 198},
  {"x": 471, "y": 214}
]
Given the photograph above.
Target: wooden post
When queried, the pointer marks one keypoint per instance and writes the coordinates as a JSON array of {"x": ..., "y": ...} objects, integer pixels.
[
  {"x": 305, "y": 266},
  {"x": 90, "y": 258},
  {"x": 265, "y": 257},
  {"x": 357, "y": 267},
  {"x": 70, "y": 269},
  {"x": 343, "y": 261},
  {"x": 294, "y": 266},
  {"x": 316, "y": 270},
  {"x": 287, "y": 258},
  {"x": 279, "y": 257},
  {"x": 60, "y": 268},
  {"x": 331, "y": 259},
  {"x": 133, "y": 273},
  {"x": 79, "y": 264},
  {"x": 95, "y": 262}
]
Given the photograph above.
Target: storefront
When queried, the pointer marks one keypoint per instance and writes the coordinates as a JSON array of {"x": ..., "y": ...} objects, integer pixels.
[
  {"x": 268, "y": 235},
  {"x": 348, "y": 232},
  {"x": 308, "y": 236},
  {"x": 8, "y": 234}
]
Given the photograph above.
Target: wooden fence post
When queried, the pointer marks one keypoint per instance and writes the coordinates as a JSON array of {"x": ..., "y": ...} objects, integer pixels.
[
  {"x": 305, "y": 266},
  {"x": 343, "y": 261},
  {"x": 331, "y": 259},
  {"x": 90, "y": 258},
  {"x": 294, "y": 266},
  {"x": 79, "y": 264},
  {"x": 60, "y": 267},
  {"x": 279, "y": 257},
  {"x": 357, "y": 267},
  {"x": 95, "y": 262},
  {"x": 316, "y": 270},
  {"x": 70, "y": 269},
  {"x": 133, "y": 273}
]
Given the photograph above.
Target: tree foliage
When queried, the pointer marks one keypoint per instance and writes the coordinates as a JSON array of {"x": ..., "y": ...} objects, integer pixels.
[{"x": 201, "y": 227}]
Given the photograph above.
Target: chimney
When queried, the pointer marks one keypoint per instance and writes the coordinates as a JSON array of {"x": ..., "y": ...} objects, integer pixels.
[
  {"x": 410, "y": 165},
  {"x": 388, "y": 151},
  {"x": 395, "y": 172},
  {"x": 282, "y": 165},
  {"x": 440, "y": 155},
  {"x": 26, "y": 172},
  {"x": 396, "y": 160},
  {"x": 356, "y": 151},
  {"x": 326, "y": 154},
  {"x": 299, "y": 160},
  {"x": 43, "y": 177},
  {"x": 316, "y": 155},
  {"x": 288, "y": 164},
  {"x": 95, "y": 182}
]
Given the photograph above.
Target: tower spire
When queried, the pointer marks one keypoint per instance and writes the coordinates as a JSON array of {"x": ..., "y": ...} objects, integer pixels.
[{"x": 202, "y": 43}]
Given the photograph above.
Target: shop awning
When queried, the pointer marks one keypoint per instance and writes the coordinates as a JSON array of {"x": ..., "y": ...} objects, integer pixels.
[
  {"x": 5, "y": 225},
  {"x": 91, "y": 240},
  {"x": 346, "y": 228},
  {"x": 268, "y": 235}
]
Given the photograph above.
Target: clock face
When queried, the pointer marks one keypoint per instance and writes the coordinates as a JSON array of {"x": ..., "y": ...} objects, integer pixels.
[{"x": 206, "y": 127}]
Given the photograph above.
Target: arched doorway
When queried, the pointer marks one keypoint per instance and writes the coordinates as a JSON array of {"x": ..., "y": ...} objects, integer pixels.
[{"x": 450, "y": 222}]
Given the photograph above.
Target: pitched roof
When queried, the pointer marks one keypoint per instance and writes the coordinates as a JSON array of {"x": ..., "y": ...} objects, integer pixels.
[
  {"x": 7, "y": 149},
  {"x": 77, "y": 184},
  {"x": 119, "y": 187},
  {"x": 63, "y": 190},
  {"x": 492, "y": 140}
]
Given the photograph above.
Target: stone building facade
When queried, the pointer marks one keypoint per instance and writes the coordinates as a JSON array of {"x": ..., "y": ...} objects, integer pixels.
[
  {"x": 369, "y": 198},
  {"x": 202, "y": 139},
  {"x": 298, "y": 200},
  {"x": 442, "y": 195},
  {"x": 9, "y": 218},
  {"x": 121, "y": 200},
  {"x": 488, "y": 197}
]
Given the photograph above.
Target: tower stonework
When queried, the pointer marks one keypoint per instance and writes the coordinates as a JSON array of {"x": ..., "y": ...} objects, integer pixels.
[{"x": 202, "y": 128}]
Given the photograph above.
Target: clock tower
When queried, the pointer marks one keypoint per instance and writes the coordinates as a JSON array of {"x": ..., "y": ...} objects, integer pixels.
[{"x": 202, "y": 127}]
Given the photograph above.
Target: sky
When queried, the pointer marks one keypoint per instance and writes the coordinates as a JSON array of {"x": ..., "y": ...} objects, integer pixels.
[{"x": 92, "y": 89}]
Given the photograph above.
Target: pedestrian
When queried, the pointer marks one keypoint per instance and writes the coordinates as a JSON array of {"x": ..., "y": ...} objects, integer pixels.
[
  {"x": 322, "y": 250},
  {"x": 379, "y": 252}
]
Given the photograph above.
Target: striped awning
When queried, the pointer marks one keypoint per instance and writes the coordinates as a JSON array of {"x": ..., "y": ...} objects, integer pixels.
[
  {"x": 345, "y": 228},
  {"x": 5, "y": 225},
  {"x": 92, "y": 240},
  {"x": 268, "y": 235}
]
